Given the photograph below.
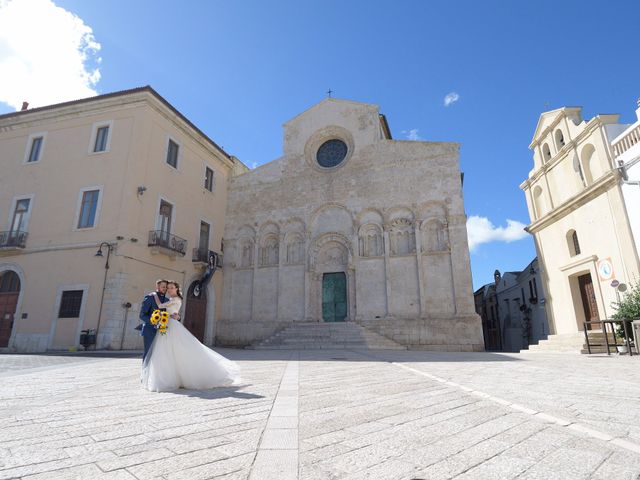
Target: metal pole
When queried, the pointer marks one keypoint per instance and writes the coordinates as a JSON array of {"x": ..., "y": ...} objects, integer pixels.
[{"x": 104, "y": 286}]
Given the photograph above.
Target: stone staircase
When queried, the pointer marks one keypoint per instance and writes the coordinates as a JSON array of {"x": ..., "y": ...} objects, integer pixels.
[
  {"x": 342, "y": 335},
  {"x": 574, "y": 343}
]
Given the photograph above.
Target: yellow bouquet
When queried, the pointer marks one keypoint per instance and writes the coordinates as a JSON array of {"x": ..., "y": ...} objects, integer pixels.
[{"x": 160, "y": 320}]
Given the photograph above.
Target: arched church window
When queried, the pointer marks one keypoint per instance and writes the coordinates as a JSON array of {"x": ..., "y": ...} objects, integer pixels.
[
  {"x": 559, "y": 139},
  {"x": 546, "y": 152},
  {"x": 435, "y": 236},
  {"x": 573, "y": 243},
  {"x": 370, "y": 241},
  {"x": 246, "y": 254},
  {"x": 401, "y": 237},
  {"x": 295, "y": 249},
  {"x": 269, "y": 251}
]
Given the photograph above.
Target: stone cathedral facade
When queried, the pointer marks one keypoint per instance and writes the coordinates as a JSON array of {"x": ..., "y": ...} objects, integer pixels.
[{"x": 350, "y": 225}]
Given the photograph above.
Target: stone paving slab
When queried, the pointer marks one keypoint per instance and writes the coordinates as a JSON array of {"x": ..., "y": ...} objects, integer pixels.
[{"x": 322, "y": 415}]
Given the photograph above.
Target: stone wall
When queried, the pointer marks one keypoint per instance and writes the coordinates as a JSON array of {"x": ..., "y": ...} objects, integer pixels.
[{"x": 390, "y": 217}]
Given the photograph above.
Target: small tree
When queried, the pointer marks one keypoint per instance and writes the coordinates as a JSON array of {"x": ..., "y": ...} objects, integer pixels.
[{"x": 627, "y": 309}]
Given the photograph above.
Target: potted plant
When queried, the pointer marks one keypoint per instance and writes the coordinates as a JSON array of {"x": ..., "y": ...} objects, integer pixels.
[{"x": 627, "y": 309}]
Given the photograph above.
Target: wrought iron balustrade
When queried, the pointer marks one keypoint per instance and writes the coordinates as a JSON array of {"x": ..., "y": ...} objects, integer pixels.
[
  {"x": 13, "y": 239},
  {"x": 207, "y": 256},
  {"x": 160, "y": 238}
]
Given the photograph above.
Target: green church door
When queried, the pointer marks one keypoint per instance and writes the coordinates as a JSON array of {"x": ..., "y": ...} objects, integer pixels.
[{"x": 334, "y": 297}]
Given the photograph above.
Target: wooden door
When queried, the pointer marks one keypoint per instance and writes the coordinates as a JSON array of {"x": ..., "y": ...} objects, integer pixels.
[
  {"x": 195, "y": 315},
  {"x": 589, "y": 303},
  {"x": 9, "y": 292},
  {"x": 334, "y": 297}
]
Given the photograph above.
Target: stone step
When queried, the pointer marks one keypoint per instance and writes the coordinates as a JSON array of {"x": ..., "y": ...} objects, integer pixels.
[
  {"x": 307, "y": 336},
  {"x": 574, "y": 343}
]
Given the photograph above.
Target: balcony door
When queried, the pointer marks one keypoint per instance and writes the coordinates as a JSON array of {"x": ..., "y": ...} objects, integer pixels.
[
  {"x": 165, "y": 216},
  {"x": 203, "y": 243}
]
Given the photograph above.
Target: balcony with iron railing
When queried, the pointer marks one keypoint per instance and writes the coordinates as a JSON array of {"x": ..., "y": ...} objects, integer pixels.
[
  {"x": 167, "y": 243},
  {"x": 203, "y": 257},
  {"x": 13, "y": 239}
]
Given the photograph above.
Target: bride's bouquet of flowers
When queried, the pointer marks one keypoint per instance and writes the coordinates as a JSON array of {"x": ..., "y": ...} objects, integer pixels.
[{"x": 160, "y": 320}]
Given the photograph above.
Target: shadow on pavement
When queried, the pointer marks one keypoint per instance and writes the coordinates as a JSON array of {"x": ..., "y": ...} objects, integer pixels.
[{"x": 215, "y": 393}]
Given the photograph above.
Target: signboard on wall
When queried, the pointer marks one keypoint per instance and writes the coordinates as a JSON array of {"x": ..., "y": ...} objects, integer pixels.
[{"x": 605, "y": 269}]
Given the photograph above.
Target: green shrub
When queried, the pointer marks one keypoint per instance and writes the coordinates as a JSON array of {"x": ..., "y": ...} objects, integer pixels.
[{"x": 627, "y": 308}]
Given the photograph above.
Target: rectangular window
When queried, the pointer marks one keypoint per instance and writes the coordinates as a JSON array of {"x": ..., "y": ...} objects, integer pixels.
[
  {"x": 209, "y": 180},
  {"x": 70, "y": 304},
  {"x": 34, "y": 153},
  {"x": 535, "y": 287},
  {"x": 101, "y": 139},
  {"x": 88, "y": 209},
  {"x": 19, "y": 222},
  {"x": 203, "y": 244},
  {"x": 172, "y": 154}
]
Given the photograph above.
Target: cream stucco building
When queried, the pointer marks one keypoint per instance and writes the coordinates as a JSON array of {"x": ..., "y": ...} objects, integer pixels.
[
  {"x": 579, "y": 217},
  {"x": 350, "y": 225},
  {"x": 124, "y": 172}
]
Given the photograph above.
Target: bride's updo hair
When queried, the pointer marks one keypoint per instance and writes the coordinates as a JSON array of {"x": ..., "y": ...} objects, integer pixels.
[{"x": 178, "y": 291}]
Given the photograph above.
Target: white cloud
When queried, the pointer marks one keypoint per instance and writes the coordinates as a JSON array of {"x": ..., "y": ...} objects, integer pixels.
[
  {"x": 254, "y": 165},
  {"x": 451, "y": 98},
  {"x": 480, "y": 230},
  {"x": 412, "y": 134},
  {"x": 47, "y": 54}
]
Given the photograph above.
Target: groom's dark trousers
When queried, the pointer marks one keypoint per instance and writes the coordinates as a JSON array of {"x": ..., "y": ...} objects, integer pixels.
[{"x": 148, "y": 331}]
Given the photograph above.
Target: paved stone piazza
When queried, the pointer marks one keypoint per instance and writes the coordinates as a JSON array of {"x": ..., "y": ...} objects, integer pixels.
[{"x": 326, "y": 415}]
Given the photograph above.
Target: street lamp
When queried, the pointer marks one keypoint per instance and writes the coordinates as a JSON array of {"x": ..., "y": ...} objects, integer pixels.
[{"x": 104, "y": 283}]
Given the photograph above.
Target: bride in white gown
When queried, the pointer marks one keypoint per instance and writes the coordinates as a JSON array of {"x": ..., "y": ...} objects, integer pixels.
[{"x": 178, "y": 360}]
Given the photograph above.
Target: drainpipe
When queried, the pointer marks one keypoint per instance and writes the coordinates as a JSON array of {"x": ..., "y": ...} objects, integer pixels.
[{"x": 622, "y": 169}]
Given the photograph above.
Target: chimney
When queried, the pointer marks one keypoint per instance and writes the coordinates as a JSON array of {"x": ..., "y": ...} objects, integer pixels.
[{"x": 25, "y": 105}]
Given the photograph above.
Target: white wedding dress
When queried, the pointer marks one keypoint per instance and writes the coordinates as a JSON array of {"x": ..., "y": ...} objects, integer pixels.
[{"x": 178, "y": 360}]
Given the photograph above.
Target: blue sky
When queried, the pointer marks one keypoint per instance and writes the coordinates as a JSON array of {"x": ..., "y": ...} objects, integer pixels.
[{"x": 240, "y": 69}]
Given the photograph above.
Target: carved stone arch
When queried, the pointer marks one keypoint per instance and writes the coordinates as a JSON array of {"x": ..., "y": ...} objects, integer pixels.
[
  {"x": 370, "y": 240},
  {"x": 332, "y": 217},
  {"x": 433, "y": 209},
  {"x": 269, "y": 249},
  {"x": 294, "y": 247},
  {"x": 269, "y": 227},
  {"x": 246, "y": 230},
  {"x": 370, "y": 215},
  {"x": 294, "y": 224},
  {"x": 245, "y": 246},
  {"x": 435, "y": 235},
  {"x": 399, "y": 212},
  {"x": 400, "y": 225},
  {"x": 325, "y": 240}
]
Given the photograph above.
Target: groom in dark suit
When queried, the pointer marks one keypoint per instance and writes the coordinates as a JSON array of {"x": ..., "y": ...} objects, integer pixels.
[{"x": 148, "y": 331}]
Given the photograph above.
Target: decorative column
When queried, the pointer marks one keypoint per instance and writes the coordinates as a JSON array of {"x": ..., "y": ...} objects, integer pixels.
[
  {"x": 307, "y": 279},
  {"x": 280, "y": 263},
  {"x": 422, "y": 299},
  {"x": 387, "y": 272},
  {"x": 253, "y": 278}
]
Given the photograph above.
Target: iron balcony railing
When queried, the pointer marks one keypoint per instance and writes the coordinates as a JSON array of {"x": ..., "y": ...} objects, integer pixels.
[
  {"x": 13, "y": 239},
  {"x": 207, "y": 256},
  {"x": 160, "y": 238}
]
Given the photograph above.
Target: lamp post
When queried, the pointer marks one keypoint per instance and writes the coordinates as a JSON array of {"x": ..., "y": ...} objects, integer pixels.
[{"x": 104, "y": 283}]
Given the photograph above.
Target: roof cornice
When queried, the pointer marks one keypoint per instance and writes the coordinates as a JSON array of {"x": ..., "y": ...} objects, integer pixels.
[{"x": 114, "y": 99}]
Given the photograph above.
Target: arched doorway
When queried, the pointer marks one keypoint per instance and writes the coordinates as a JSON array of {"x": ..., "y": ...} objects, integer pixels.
[
  {"x": 9, "y": 293},
  {"x": 195, "y": 316}
]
